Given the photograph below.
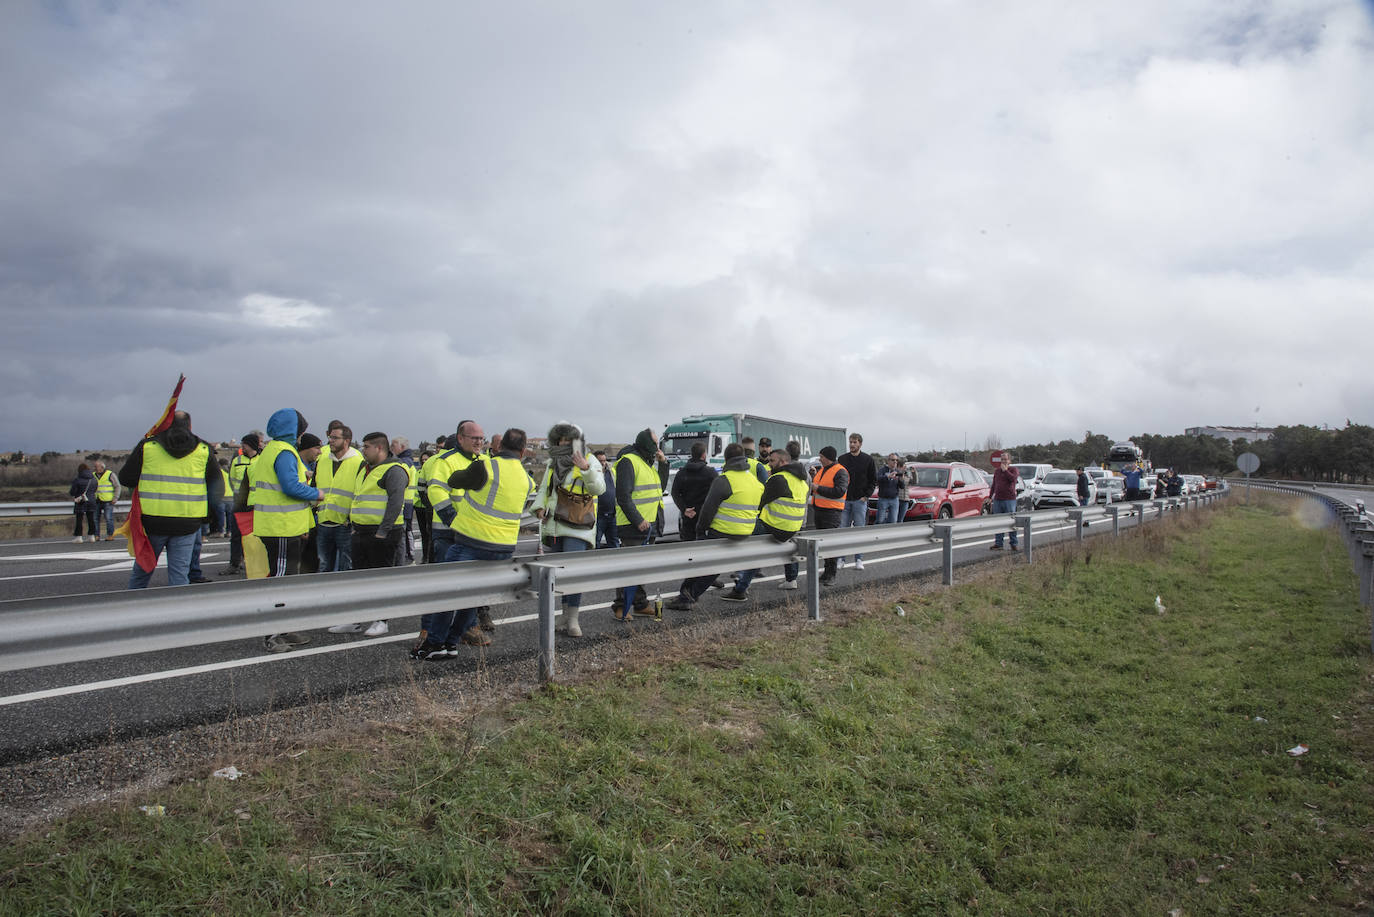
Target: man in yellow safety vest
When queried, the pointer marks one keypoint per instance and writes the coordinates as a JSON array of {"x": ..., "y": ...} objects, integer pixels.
[
  {"x": 731, "y": 511},
  {"x": 177, "y": 476}
]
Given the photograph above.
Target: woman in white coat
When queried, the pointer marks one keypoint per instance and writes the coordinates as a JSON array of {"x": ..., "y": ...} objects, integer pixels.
[{"x": 566, "y": 504}]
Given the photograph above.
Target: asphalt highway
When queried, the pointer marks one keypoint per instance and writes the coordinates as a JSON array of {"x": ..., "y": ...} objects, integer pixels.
[{"x": 58, "y": 708}]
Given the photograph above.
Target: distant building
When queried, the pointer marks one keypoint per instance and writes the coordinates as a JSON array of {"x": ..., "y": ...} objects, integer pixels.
[{"x": 1250, "y": 434}]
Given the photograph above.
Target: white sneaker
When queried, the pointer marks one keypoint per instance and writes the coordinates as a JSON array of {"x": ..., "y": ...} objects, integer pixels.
[
  {"x": 574, "y": 626},
  {"x": 859, "y": 564},
  {"x": 77, "y": 540},
  {"x": 376, "y": 629},
  {"x": 840, "y": 564},
  {"x": 92, "y": 539},
  {"x": 347, "y": 628},
  {"x": 788, "y": 584}
]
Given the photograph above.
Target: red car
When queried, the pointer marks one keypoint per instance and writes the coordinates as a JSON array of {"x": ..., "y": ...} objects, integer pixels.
[{"x": 942, "y": 490}]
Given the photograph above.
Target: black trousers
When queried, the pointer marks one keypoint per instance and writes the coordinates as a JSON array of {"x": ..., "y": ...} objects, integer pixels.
[
  {"x": 371, "y": 552},
  {"x": 283, "y": 554}
]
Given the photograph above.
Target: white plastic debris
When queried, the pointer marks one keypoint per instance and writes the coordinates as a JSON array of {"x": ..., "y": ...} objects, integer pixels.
[
  {"x": 229, "y": 773},
  {"x": 901, "y": 612},
  {"x": 1159, "y": 606},
  {"x": 157, "y": 811},
  {"x": 1260, "y": 719},
  {"x": 1297, "y": 750}
]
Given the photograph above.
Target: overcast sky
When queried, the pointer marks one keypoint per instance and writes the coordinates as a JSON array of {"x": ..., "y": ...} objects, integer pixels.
[{"x": 925, "y": 221}]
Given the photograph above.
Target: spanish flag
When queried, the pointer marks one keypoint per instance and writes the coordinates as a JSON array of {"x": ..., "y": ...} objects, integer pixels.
[{"x": 139, "y": 547}]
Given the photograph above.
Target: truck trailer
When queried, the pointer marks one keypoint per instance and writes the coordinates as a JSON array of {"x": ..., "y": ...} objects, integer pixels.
[{"x": 719, "y": 430}]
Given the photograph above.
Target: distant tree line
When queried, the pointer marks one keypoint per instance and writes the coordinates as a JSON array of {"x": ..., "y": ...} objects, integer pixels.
[{"x": 1298, "y": 452}]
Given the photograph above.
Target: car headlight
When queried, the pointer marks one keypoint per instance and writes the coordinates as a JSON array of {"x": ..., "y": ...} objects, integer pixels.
[{"x": 925, "y": 499}]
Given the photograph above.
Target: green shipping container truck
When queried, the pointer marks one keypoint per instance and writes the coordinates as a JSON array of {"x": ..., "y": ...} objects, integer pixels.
[{"x": 719, "y": 430}]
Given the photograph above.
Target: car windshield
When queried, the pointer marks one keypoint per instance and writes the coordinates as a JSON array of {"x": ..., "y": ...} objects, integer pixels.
[
  {"x": 930, "y": 477},
  {"x": 1061, "y": 477},
  {"x": 1026, "y": 471}
]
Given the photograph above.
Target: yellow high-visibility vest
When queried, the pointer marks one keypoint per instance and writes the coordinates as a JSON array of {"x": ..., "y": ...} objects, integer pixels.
[
  {"x": 105, "y": 489},
  {"x": 436, "y": 473},
  {"x": 738, "y": 512},
  {"x": 786, "y": 514},
  {"x": 237, "y": 469},
  {"x": 336, "y": 487},
  {"x": 646, "y": 494},
  {"x": 275, "y": 514},
  {"x": 369, "y": 496},
  {"x": 171, "y": 486},
  {"x": 492, "y": 513},
  {"x": 411, "y": 484}
]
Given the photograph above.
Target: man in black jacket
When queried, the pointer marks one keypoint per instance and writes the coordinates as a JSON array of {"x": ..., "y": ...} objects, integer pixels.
[
  {"x": 863, "y": 477},
  {"x": 690, "y": 486}
]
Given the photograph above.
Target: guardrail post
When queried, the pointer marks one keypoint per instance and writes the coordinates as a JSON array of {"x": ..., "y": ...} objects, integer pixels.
[
  {"x": 1076, "y": 514},
  {"x": 544, "y": 576},
  {"x": 812, "y": 548},
  {"x": 1116, "y": 518},
  {"x": 1159, "y": 508},
  {"x": 945, "y": 533},
  {"x": 1025, "y": 522}
]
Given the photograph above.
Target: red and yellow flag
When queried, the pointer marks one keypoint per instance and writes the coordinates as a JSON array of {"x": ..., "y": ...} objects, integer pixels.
[{"x": 140, "y": 549}]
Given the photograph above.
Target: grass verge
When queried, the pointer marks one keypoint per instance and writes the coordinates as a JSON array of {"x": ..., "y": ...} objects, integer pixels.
[{"x": 1042, "y": 740}]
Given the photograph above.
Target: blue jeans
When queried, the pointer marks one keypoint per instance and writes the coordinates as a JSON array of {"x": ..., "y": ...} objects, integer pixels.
[
  {"x": 887, "y": 510},
  {"x": 855, "y": 513},
  {"x": 567, "y": 544},
  {"x": 605, "y": 532},
  {"x": 217, "y": 524},
  {"x": 178, "y": 548},
  {"x": 194, "y": 572},
  {"x": 439, "y": 623},
  {"x": 106, "y": 512},
  {"x": 465, "y": 619},
  {"x": 1004, "y": 508},
  {"x": 334, "y": 544}
]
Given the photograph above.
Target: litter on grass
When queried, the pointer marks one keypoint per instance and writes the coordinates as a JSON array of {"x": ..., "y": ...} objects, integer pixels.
[
  {"x": 1297, "y": 750},
  {"x": 229, "y": 773},
  {"x": 1260, "y": 719},
  {"x": 901, "y": 612},
  {"x": 1159, "y": 606},
  {"x": 153, "y": 810}
]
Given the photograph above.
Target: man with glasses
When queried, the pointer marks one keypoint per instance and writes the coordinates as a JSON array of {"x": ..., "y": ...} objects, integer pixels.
[
  {"x": 438, "y": 641},
  {"x": 334, "y": 477}
]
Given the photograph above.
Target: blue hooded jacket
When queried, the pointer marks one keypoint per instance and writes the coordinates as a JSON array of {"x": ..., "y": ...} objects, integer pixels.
[{"x": 287, "y": 425}]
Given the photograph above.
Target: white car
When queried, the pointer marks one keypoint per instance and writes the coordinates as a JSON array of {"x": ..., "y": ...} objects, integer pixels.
[
  {"x": 1030, "y": 474},
  {"x": 1111, "y": 489},
  {"x": 1060, "y": 488}
]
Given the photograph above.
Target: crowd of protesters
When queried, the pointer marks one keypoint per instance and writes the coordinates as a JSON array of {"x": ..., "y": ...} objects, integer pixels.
[{"x": 292, "y": 503}]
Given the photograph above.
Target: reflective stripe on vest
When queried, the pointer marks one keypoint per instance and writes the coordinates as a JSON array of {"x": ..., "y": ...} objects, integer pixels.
[
  {"x": 737, "y": 513},
  {"x": 787, "y": 514},
  {"x": 274, "y": 513},
  {"x": 173, "y": 486},
  {"x": 826, "y": 478},
  {"x": 647, "y": 493},
  {"x": 440, "y": 468},
  {"x": 369, "y": 496},
  {"x": 104, "y": 491},
  {"x": 492, "y": 513},
  {"x": 413, "y": 479},
  {"x": 336, "y": 487}
]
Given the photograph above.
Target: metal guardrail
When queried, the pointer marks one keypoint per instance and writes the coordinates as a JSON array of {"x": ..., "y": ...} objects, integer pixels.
[
  {"x": 36, "y": 632},
  {"x": 11, "y": 510}
]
